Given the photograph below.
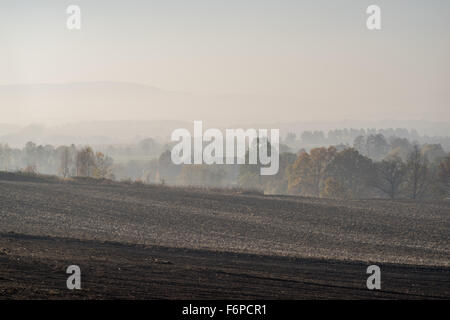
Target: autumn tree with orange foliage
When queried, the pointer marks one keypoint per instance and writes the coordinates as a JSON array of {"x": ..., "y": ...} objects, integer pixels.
[{"x": 306, "y": 176}]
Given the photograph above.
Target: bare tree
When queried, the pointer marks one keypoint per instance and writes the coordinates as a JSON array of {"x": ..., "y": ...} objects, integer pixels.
[
  {"x": 390, "y": 176},
  {"x": 102, "y": 165},
  {"x": 374, "y": 146},
  {"x": 444, "y": 175},
  {"x": 66, "y": 162},
  {"x": 85, "y": 162},
  {"x": 30, "y": 154},
  {"x": 5, "y": 157},
  {"x": 417, "y": 173}
]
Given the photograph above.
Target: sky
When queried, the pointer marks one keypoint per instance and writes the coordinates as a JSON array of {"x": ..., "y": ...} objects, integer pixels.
[{"x": 313, "y": 60}]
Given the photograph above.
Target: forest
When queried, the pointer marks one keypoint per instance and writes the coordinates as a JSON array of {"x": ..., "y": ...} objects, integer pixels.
[{"x": 344, "y": 164}]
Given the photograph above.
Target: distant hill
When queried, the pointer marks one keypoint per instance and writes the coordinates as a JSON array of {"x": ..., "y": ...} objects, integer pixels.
[
  {"x": 118, "y": 101},
  {"x": 120, "y": 112},
  {"x": 94, "y": 133}
]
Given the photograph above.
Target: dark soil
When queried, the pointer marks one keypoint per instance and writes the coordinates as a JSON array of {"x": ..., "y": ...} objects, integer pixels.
[
  {"x": 34, "y": 268},
  {"x": 151, "y": 242}
]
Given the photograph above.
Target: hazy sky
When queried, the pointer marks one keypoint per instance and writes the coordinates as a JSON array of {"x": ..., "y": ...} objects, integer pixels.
[{"x": 317, "y": 54}]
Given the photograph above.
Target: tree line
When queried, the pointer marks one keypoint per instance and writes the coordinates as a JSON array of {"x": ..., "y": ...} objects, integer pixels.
[
  {"x": 347, "y": 137},
  {"x": 372, "y": 167},
  {"x": 347, "y": 174},
  {"x": 66, "y": 161}
]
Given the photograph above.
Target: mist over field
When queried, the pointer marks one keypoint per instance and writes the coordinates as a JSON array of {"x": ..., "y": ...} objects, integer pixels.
[
  {"x": 101, "y": 107},
  {"x": 117, "y": 113},
  {"x": 90, "y": 95}
]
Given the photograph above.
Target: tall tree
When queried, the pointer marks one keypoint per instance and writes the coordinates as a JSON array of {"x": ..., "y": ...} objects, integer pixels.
[
  {"x": 5, "y": 157},
  {"x": 352, "y": 171},
  {"x": 66, "y": 161},
  {"x": 306, "y": 175},
  {"x": 390, "y": 176},
  {"x": 377, "y": 146},
  {"x": 85, "y": 162},
  {"x": 102, "y": 165},
  {"x": 444, "y": 175},
  {"x": 417, "y": 173}
]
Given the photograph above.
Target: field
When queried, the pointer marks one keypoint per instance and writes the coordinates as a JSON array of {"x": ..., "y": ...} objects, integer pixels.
[{"x": 138, "y": 241}]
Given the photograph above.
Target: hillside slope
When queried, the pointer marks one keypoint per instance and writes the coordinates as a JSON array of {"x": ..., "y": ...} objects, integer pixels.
[{"x": 368, "y": 231}]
